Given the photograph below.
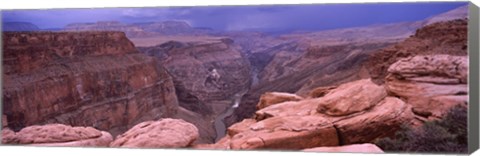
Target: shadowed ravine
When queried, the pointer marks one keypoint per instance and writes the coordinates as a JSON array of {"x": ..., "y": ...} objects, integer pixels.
[{"x": 219, "y": 124}]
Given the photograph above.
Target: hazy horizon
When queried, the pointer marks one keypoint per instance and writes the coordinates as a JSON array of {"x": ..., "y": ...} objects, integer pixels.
[{"x": 314, "y": 17}]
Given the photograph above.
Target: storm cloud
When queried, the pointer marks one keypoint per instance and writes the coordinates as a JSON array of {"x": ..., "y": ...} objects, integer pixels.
[{"x": 261, "y": 17}]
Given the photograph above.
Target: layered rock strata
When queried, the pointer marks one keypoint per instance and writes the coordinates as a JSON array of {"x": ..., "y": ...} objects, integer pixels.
[
  {"x": 432, "y": 84},
  {"x": 95, "y": 79}
]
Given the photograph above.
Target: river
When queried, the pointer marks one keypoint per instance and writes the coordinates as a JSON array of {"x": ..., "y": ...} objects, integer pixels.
[{"x": 219, "y": 124}]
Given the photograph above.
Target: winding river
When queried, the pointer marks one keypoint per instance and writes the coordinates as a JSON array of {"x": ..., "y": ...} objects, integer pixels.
[{"x": 219, "y": 124}]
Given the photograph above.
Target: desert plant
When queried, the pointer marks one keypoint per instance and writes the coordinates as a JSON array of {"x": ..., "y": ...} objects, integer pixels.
[{"x": 448, "y": 135}]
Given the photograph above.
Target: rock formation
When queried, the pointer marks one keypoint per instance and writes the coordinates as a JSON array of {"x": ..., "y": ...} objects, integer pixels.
[
  {"x": 439, "y": 38},
  {"x": 282, "y": 126},
  {"x": 430, "y": 83},
  {"x": 355, "y": 148},
  {"x": 351, "y": 98},
  {"x": 57, "y": 135},
  {"x": 95, "y": 79},
  {"x": 164, "y": 133}
]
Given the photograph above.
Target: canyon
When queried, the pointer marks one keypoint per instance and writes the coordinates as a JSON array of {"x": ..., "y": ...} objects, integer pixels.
[
  {"x": 96, "y": 79},
  {"x": 112, "y": 84}
]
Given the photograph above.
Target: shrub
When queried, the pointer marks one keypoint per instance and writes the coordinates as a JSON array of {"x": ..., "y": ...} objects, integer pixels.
[{"x": 448, "y": 135}]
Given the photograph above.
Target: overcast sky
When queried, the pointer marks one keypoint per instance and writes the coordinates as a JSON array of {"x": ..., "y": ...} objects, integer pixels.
[{"x": 271, "y": 17}]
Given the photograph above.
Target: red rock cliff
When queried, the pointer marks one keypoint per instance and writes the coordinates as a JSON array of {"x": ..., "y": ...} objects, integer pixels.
[{"x": 95, "y": 79}]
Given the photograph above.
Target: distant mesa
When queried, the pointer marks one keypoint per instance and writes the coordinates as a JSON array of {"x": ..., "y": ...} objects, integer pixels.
[
  {"x": 147, "y": 29},
  {"x": 19, "y": 26}
]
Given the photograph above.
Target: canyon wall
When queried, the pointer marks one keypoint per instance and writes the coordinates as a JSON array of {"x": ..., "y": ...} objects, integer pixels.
[
  {"x": 203, "y": 71},
  {"x": 207, "y": 74},
  {"x": 95, "y": 79}
]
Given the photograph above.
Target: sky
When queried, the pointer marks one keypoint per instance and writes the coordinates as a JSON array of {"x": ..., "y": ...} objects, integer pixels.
[{"x": 300, "y": 17}]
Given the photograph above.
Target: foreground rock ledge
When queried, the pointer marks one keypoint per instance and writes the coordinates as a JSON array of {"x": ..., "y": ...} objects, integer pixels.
[
  {"x": 164, "y": 133},
  {"x": 289, "y": 132},
  {"x": 355, "y": 148},
  {"x": 57, "y": 135}
]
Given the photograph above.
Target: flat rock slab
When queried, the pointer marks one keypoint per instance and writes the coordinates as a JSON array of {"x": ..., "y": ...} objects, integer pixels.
[
  {"x": 57, "y": 135},
  {"x": 164, "y": 133},
  {"x": 287, "y": 133},
  {"x": 355, "y": 148}
]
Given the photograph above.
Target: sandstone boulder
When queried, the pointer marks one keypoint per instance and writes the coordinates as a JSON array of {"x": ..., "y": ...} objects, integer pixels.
[
  {"x": 432, "y": 84},
  {"x": 354, "y": 148},
  {"x": 382, "y": 120},
  {"x": 438, "y": 69},
  {"x": 164, "y": 133},
  {"x": 287, "y": 133},
  {"x": 60, "y": 135},
  {"x": 271, "y": 98},
  {"x": 351, "y": 97},
  {"x": 361, "y": 113},
  {"x": 7, "y": 136}
]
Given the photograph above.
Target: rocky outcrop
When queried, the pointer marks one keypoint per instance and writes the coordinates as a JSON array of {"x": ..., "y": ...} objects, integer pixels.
[
  {"x": 164, "y": 133},
  {"x": 364, "y": 113},
  {"x": 288, "y": 132},
  {"x": 58, "y": 135},
  {"x": 19, "y": 26},
  {"x": 383, "y": 120},
  {"x": 356, "y": 120},
  {"x": 355, "y": 148},
  {"x": 430, "y": 83},
  {"x": 95, "y": 79},
  {"x": 7, "y": 136},
  {"x": 448, "y": 37},
  {"x": 271, "y": 98},
  {"x": 351, "y": 98}
]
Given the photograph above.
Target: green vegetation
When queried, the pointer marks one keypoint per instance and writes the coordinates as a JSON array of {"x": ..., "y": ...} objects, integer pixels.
[{"x": 448, "y": 135}]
